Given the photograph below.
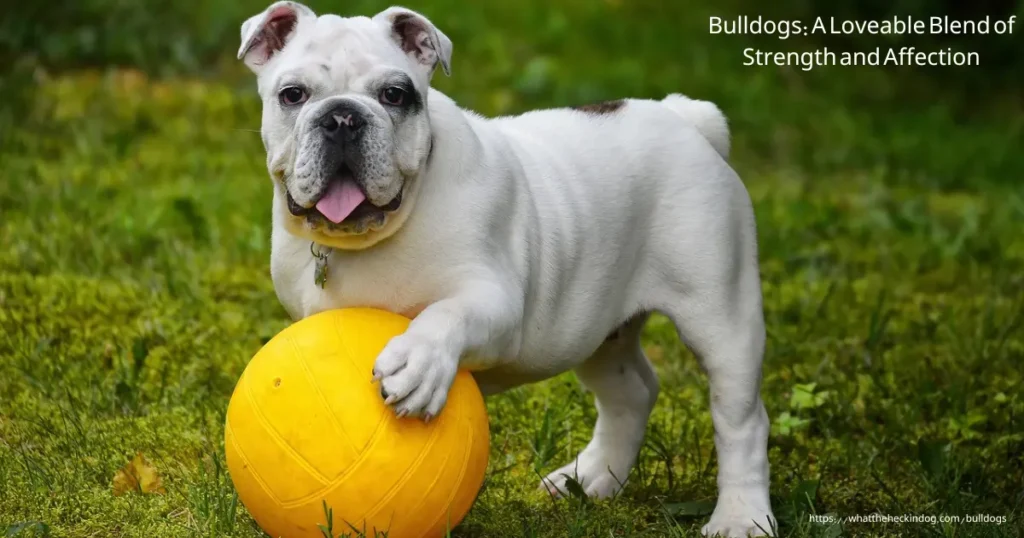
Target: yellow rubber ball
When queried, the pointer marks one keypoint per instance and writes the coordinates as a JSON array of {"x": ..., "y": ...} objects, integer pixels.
[{"x": 306, "y": 426}]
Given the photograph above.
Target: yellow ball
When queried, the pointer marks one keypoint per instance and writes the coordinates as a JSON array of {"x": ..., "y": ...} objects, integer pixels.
[{"x": 306, "y": 426}]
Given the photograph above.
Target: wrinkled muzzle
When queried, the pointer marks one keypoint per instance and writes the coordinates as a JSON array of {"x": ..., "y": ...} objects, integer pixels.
[{"x": 344, "y": 171}]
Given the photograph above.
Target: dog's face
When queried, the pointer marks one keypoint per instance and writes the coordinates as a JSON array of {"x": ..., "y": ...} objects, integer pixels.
[{"x": 345, "y": 121}]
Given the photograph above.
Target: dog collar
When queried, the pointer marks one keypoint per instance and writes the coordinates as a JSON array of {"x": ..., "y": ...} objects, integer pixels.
[{"x": 321, "y": 253}]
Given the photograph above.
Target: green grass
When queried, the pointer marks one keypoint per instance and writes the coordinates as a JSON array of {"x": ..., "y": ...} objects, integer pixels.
[{"x": 134, "y": 286}]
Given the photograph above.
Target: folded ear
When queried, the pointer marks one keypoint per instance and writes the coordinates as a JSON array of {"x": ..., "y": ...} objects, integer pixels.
[
  {"x": 418, "y": 37},
  {"x": 266, "y": 34}
]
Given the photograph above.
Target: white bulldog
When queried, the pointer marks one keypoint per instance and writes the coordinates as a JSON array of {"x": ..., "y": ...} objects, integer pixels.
[{"x": 522, "y": 246}]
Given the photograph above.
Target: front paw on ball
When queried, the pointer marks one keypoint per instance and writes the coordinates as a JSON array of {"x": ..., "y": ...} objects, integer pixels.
[{"x": 415, "y": 375}]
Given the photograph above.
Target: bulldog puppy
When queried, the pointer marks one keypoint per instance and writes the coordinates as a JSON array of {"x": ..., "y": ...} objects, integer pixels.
[{"x": 522, "y": 247}]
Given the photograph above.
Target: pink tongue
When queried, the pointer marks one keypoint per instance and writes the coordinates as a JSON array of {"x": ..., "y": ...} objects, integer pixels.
[{"x": 341, "y": 200}]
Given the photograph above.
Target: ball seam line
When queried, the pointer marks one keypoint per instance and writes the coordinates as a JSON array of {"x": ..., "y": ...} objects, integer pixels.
[
  {"x": 248, "y": 464},
  {"x": 341, "y": 478},
  {"x": 405, "y": 478},
  {"x": 323, "y": 399},
  {"x": 349, "y": 355},
  {"x": 394, "y": 489},
  {"x": 462, "y": 472},
  {"x": 279, "y": 439}
]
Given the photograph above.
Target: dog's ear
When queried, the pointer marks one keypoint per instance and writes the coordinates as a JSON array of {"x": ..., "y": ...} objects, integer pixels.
[
  {"x": 418, "y": 37},
  {"x": 266, "y": 34}
]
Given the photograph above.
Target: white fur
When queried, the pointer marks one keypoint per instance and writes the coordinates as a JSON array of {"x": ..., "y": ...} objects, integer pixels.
[
  {"x": 528, "y": 240},
  {"x": 705, "y": 117}
]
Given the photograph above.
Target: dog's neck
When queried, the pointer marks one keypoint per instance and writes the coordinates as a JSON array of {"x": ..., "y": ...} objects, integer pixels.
[{"x": 453, "y": 137}]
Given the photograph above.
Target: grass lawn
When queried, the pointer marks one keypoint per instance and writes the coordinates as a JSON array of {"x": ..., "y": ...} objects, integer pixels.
[{"x": 134, "y": 286}]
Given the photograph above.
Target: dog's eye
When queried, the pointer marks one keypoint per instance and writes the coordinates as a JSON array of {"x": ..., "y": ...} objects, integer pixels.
[
  {"x": 393, "y": 96},
  {"x": 293, "y": 95}
]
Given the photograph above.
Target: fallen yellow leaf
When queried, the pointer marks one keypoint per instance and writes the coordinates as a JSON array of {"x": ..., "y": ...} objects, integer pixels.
[{"x": 138, "y": 475}]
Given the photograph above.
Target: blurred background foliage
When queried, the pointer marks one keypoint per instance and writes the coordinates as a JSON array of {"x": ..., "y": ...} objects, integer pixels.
[
  {"x": 164, "y": 37},
  {"x": 510, "y": 56}
]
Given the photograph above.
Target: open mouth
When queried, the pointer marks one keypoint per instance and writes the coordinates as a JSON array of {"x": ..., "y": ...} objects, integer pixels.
[{"x": 343, "y": 201}]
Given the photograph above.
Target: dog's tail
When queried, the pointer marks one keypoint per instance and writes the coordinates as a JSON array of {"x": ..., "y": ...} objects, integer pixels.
[{"x": 706, "y": 117}]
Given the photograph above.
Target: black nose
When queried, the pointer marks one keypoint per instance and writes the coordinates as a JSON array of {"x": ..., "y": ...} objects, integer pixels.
[{"x": 343, "y": 122}]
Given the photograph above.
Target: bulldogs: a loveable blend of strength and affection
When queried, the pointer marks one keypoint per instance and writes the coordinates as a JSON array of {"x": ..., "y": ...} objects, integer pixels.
[{"x": 522, "y": 247}]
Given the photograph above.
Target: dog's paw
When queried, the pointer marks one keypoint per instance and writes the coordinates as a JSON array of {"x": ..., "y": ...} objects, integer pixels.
[
  {"x": 415, "y": 374},
  {"x": 600, "y": 472},
  {"x": 739, "y": 514}
]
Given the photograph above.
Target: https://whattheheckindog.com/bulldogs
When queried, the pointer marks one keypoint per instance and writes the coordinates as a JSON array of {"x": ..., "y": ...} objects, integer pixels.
[{"x": 521, "y": 247}]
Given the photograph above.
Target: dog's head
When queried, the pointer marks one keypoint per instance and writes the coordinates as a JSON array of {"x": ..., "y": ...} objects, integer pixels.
[{"x": 345, "y": 121}]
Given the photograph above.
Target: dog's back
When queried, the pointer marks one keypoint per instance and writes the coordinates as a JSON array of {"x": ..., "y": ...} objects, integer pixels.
[{"x": 607, "y": 184}]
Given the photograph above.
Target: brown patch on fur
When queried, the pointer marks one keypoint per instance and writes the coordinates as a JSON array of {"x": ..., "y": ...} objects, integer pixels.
[{"x": 604, "y": 107}]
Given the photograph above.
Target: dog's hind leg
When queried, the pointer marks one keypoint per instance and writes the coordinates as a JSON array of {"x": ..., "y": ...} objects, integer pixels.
[
  {"x": 712, "y": 292},
  {"x": 625, "y": 387}
]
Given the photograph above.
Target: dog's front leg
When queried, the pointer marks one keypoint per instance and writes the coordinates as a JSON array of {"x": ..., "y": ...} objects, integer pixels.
[{"x": 417, "y": 368}]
